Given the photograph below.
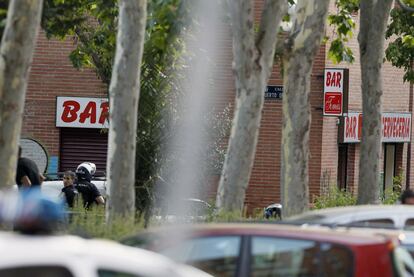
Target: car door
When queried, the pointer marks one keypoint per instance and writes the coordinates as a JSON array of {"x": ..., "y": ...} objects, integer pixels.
[{"x": 280, "y": 256}]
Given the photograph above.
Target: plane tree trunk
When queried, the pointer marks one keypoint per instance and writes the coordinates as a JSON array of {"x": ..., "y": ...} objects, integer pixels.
[
  {"x": 124, "y": 95},
  {"x": 302, "y": 46},
  {"x": 374, "y": 17},
  {"x": 16, "y": 52},
  {"x": 252, "y": 65}
]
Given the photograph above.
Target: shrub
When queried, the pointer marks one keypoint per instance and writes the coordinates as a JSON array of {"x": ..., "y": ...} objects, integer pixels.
[
  {"x": 92, "y": 223},
  {"x": 335, "y": 197},
  {"x": 392, "y": 194}
]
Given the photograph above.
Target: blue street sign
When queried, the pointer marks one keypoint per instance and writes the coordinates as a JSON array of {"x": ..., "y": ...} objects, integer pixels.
[{"x": 274, "y": 92}]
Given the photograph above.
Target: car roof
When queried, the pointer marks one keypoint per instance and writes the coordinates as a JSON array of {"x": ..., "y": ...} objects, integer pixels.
[
  {"x": 63, "y": 250},
  {"x": 331, "y": 213},
  {"x": 318, "y": 233}
]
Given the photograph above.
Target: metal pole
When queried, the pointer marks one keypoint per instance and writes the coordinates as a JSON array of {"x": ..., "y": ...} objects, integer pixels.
[{"x": 410, "y": 109}]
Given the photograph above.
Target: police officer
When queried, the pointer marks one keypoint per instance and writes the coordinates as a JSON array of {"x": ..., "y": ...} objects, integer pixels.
[
  {"x": 68, "y": 189},
  {"x": 27, "y": 173},
  {"x": 90, "y": 193}
]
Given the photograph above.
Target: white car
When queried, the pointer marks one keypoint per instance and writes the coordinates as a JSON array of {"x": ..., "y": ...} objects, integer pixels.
[
  {"x": 53, "y": 189},
  {"x": 70, "y": 256},
  {"x": 388, "y": 216},
  {"x": 186, "y": 211}
]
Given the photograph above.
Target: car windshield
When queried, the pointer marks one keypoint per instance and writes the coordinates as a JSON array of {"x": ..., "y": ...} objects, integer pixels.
[{"x": 143, "y": 240}]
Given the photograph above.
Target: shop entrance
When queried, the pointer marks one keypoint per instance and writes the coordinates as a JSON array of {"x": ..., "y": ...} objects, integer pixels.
[
  {"x": 342, "y": 166},
  {"x": 389, "y": 165},
  {"x": 79, "y": 145}
]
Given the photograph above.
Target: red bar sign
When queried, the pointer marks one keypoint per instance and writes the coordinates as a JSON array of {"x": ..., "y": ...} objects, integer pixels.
[
  {"x": 82, "y": 112},
  {"x": 333, "y": 103},
  {"x": 333, "y": 92}
]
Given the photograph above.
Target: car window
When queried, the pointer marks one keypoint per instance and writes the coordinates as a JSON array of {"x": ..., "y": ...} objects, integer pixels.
[
  {"x": 36, "y": 271},
  {"x": 283, "y": 257},
  {"x": 378, "y": 222},
  {"x": 290, "y": 257},
  {"x": 409, "y": 223},
  {"x": 215, "y": 255},
  {"x": 114, "y": 273},
  {"x": 335, "y": 260}
]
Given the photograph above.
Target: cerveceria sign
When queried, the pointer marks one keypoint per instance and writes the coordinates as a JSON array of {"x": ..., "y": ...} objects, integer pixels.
[
  {"x": 82, "y": 112},
  {"x": 395, "y": 127}
]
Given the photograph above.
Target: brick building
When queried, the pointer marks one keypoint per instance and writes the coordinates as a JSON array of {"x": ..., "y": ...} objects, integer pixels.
[
  {"x": 52, "y": 75},
  {"x": 333, "y": 161}
]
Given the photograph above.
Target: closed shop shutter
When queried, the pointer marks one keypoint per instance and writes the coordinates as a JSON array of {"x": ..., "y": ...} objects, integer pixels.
[{"x": 79, "y": 145}]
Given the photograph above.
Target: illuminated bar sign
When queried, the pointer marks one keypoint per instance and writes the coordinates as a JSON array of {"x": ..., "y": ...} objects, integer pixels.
[
  {"x": 82, "y": 112},
  {"x": 395, "y": 127},
  {"x": 335, "y": 91}
]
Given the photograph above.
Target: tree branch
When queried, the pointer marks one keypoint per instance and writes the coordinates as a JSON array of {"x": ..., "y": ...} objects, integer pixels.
[
  {"x": 241, "y": 12},
  {"x": 366, "y": 7},
  {"x": 266, "y": 40},
  {"x": 405, "y": 6},
  {"x": 84, "y": 39}
]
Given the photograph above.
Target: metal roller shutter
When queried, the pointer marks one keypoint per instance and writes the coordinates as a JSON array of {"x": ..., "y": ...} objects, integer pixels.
[{"x": 79, "y": 145}]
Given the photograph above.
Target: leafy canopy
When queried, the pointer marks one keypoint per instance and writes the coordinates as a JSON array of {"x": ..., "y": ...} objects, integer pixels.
[
  {"x": 400, "y": 32},
  {"x": 400, "y": 51}
]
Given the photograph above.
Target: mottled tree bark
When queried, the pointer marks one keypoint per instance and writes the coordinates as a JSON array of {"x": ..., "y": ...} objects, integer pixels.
[
  {"x": 253, "y": 61},
  {"x": 374, "y": 16},
  {"x": 302, "y": 46},
  {"x": 17, "y": 45},
  {"x": 124, "y": 96}
]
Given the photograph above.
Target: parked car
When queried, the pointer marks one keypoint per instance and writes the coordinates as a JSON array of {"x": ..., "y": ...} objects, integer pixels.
[
  {"x": 188, "y": 210},
  {"x": 70, "y": 256},
  {"x": 400, "y": 217},
  {"x": 391, "y": 216},
  {"x": 53, "y": 188},
  {"x": 278, "y": 250}
]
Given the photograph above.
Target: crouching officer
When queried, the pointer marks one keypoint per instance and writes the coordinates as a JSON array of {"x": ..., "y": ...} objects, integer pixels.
[{"x": 90, "y": 193}]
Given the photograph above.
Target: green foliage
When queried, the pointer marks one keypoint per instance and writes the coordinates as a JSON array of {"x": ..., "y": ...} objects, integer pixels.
[
  {"x": 344, "y": 27},
  {"x": 335, "y": 197},
  {"x": 392, "y": 194},
  {"x": 92, "y": 224},
  {"x": 93, "y": 25},
  {"x": 400, "y": 52}
]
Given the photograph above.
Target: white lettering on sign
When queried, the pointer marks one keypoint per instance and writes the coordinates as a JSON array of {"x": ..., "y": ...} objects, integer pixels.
[
  {"x": 395, "y": 127},
  {"x": 331, "y": 105},
  {"x": 82, "y": 112}
]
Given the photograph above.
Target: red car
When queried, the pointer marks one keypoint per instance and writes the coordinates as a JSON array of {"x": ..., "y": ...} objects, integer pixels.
[{"x": 276, "y": 250}]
